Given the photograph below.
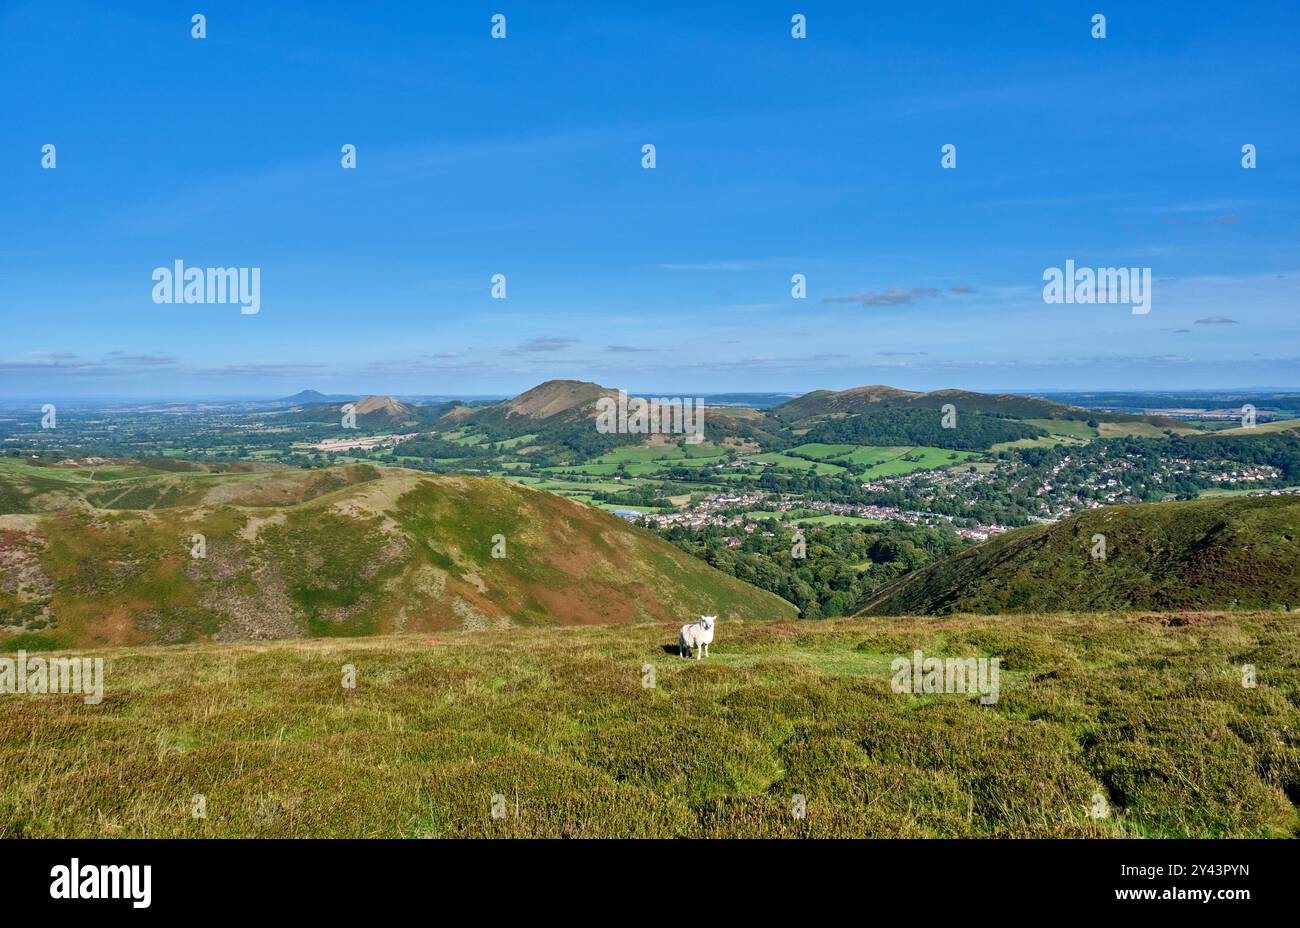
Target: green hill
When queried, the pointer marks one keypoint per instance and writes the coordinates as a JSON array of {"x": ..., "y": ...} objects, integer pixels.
[
  {"x": 102, "y": 554},
  {"x": 1241, "y": 553},
  {"x": 873, "y": 399}
]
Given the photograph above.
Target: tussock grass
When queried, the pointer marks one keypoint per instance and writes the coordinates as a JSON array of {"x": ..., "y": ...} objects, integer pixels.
[{"x": 1148, "y": 713}]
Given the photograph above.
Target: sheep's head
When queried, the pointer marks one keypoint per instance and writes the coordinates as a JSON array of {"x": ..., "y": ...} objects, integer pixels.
[{"x": 708, "y": 621}]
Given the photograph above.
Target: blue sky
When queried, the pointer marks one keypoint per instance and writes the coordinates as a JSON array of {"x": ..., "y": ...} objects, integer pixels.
[{"x": 522, "y": 156}]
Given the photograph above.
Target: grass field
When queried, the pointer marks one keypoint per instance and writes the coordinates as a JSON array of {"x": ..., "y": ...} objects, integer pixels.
[
  {"x": 1141, "y": 430},
  {"x": 1216, "y": 493},
  {"x": 514, "y": 442},
  {"x": 778, "y": 459},
  {"x": 1280, "y": 425},
  {"x": 922, "y": 458},
  {"x": 1047, "y": 441},
  {"x": 879, "y": 460},
  {"x": 673, "y": 453},
  {"x": 817, "y": 451},
  {"x": 1072, "y": 427},
  {"x": 1145, "y": 712}
]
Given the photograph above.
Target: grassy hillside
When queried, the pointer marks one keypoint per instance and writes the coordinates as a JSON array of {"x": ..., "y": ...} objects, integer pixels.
[
  {"x": 340, "y": 551},
  {"x": 1146, "y": 712},
  {"x": 1240, "y": 553},
  {"x": 873, "y": 399},
  {"x": 1280, "y": 425}
]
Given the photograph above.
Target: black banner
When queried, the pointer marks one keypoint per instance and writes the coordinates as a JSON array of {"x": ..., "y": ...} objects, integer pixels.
[{"x": 143, "y": 878}]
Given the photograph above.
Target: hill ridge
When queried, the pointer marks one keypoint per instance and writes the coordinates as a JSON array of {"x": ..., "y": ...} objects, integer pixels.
[
  {"x": 1235, "y": 553},
  {"x": 344, "y": 551}
]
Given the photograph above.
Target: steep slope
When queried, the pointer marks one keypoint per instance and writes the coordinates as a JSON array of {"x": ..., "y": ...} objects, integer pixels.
[
  {"x": 1241, "y": 553},
  {"x": 553, "y": 403},
  {"x": 382, "y": 407},
  {"x": 570, "y": 398},
  {"x": 342, "y": 551}
]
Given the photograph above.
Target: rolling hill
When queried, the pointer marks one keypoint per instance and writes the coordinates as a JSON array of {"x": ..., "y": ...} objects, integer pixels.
[
  {"x": 562, "y": 414},
  {"x": 1240, "y": 553},
  {"x": 570, "y": 398},
  {"x": 315, "y": 397},
  {"x": 103, "y": 554},
  {"x": 383, "y": 408},
  {"x": 372, "y": 413},
  {"x": 554, "y": 402},
  {"x": 859, "y": 400}
]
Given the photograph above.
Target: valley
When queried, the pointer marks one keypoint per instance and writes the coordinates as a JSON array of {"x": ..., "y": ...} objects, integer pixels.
[
  {"x": 378, "y": 618},
  {"x": 843, "y": 469}
]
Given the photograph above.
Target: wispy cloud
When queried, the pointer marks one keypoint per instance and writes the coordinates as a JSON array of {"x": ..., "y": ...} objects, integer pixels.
[
  {"x": 711, "y": 266},
  {"x": 115, "y": 363},
  {"x": 141, "y": 360},
  {"x": 545, "y": 343},
  {"x": 894, "y": 296}
]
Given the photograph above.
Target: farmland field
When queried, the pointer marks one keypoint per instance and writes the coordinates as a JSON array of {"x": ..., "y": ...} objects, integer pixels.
[
  {"x": 881, "y": 460},
  {"x": 794, "y": 463}
]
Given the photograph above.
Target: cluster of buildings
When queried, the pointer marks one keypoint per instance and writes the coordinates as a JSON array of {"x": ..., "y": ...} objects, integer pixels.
[
  {"x": 979, "y": 532},
  {"x": 1111, "y": 480},
  {"x": 721, "y": 510},
  {"x": 1072, "y": 484},
  {"x": 712, "y": 510}
]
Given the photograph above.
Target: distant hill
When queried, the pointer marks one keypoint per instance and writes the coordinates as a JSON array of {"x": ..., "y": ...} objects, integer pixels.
[
  {"x": 563, "y": 414},
  {"x": 557, "y": 397},
  {"x": 1236, "y": 553},
  {"x": 372, "y": 412},
  {"x": 828, "y": 402},
  {"x": 371, "y": 408},
  {"x": 555, "y": 402},
  {"x": 860, "y": 400},
  {"x": 102, "y": 555},
  {"x": 312, "y": 397}
]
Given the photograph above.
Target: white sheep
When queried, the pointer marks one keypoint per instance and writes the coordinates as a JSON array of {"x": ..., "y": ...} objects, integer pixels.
[{"x": 698, "y": 636}]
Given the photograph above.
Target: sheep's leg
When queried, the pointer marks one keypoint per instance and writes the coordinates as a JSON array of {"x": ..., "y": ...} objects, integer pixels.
[{"x": 699, "y": 651}]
